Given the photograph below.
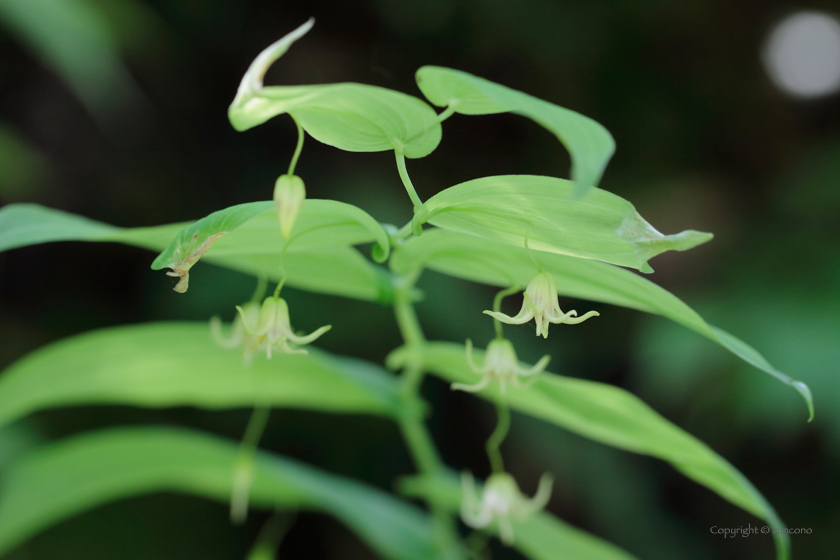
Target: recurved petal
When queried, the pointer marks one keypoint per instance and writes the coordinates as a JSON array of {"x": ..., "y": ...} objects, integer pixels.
[
  {"x": 521, "y": 318},
  {"x": 539, "y": 367},
  {"x": 308, "y": 338},
  {"x": 471, "y": 388},
  {"x": 576, "y": 320}
]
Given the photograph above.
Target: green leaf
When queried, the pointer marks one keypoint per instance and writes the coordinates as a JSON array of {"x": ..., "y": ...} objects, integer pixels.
[
  {"x": 473, "y": 258},
  {"x": 539, "y": 536},
  {"x": 31, "y": 224},
  {"x": 352, "y": 117},
  {"x": 317, "y": 258},
  {"x": 615, "y": 417},
  {"x": 542, "y": 211},
  {"x": 589, "y": 143},
  {"x": 64, "y": 479},
  {"x": 321, "y": 223},
  {"x": 177, "y": 364}
]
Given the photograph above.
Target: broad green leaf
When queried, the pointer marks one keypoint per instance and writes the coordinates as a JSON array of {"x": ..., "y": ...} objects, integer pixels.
[
  {"x": 61, "y": 480},
  {"x": 615, "y": 417},
  {"x": 589, "y": 143},
  {"x": 317, "y": 259},
  {"x": 542, "y": 211},
  {"x": 321, "y": 223},
  {"x": 31, "y": 224},
  {"x": 539, "y": 536},
  {"x": 352, "y": 117},
  {"x": 474, "y": 258},
  {"x": 177, "y": 364}
]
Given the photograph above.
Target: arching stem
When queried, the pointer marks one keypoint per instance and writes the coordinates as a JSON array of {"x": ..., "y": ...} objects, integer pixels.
[
  {"x": 409, "y": 186},
  {"x": 243, "y": 468},
  {"x": 497, "y": 307},
  {"x": 298, "y": 149},
  {"x": 495, "y": 440}
]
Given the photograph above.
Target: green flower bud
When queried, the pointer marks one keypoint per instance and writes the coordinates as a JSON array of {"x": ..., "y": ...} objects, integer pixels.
[{"x": 289, "y": 194}]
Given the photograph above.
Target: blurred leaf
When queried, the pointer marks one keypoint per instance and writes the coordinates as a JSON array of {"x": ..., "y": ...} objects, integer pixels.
[
  {"x": 800, "y": 330},
  {"x": 542, "y": 210},
  {"x": 473, "y": 258},
  {"x": 22, "y": 168},
  {"x": 76, "y": 42},
  {"x": 589, "y": 143},
  {"x": 31, "y": 224},
  {"x": 540, "y": 536},
  {"x": 63, "y": 479},
  {"x": 308, "y": 261},
  {"x": 177, "y": 364},
  {"x": 615, "y": 417},
  {"x": 352, "y": 117}
]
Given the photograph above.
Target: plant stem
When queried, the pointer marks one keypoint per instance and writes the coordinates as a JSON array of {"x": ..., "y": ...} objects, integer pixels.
[
  {"x": 242, "y": 470},
  {"x": 450, "y": 109},
  {"x": 410, "y": 417},
  {"x": 497, "y": 437},
  {"x": 259, "y": 291},
  {"x": 279, "y": 286},
  {"x": 298, "y": 149},
  {"x": 497, "y": 307},
  {"x": 409, "y": 187}
]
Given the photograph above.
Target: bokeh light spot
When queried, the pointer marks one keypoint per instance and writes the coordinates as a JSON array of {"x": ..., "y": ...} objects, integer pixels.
[{"x": 802, "y": 54}]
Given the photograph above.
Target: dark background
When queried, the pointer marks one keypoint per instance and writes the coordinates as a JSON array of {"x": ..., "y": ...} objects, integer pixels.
[{"x": 705, "y": 141}]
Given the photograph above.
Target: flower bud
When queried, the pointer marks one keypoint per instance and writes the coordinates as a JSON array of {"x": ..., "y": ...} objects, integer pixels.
[{"x": 289, "y": 194}]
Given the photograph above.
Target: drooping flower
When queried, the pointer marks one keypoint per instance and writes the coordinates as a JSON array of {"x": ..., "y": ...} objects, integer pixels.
[
  {"x": 266, "y": 327},
  {"x": 500, "y": 366},
  {"x": 249, "y": 314},
  {"x": 501, "y": 501},
  {"x": 541, "y": 303},
  {"x": 289, "y": 194}
]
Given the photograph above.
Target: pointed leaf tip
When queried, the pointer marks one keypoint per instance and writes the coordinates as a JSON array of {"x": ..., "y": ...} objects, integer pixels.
[{"x": 806, "y": 394}]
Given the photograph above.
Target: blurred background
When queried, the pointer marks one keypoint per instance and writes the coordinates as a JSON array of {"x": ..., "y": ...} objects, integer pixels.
[{"x": 726, "y": 117}]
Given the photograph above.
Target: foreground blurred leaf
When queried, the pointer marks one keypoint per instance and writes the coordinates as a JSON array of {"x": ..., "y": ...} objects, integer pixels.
[
  {"x": 615, "y": 417},
  {"x": 473, "y": 258},
  {"x": 513, "y": 208},
  {"x": 176, "y": 364},
  {"x": 540, "y": 536},
  {"x": 352, "y": 117},
  {"x": 317, "y": 258},
  {"x": 589, "y": 143},
  {"x": 22, "y": 168},
  {"x": 76, "y": 42},
  {"x": 64, "y": 479}
]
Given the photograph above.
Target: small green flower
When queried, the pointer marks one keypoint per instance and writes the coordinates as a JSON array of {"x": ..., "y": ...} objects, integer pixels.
[
  {"x": 501, "y": 501},
  {"x": 500, "y": 366},
  {"x": 266, "y": 327},
  {"x": 541, "y": 303},
  {"x": 238, "y": 337}
]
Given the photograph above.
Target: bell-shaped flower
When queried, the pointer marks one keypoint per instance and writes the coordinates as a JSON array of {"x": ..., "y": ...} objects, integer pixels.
[
  {"x": 500, "y": 366},
  {"x": 249, "y": 314},
  {"x": 289, "y": 194},
  {"x": 501, "y": 501},
  {"x": 265, "y": 326},
  {"x": 541, "y": 303}
]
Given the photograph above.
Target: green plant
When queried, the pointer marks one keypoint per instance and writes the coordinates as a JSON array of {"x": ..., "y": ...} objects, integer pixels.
[{"x": 541, "y": 234}]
